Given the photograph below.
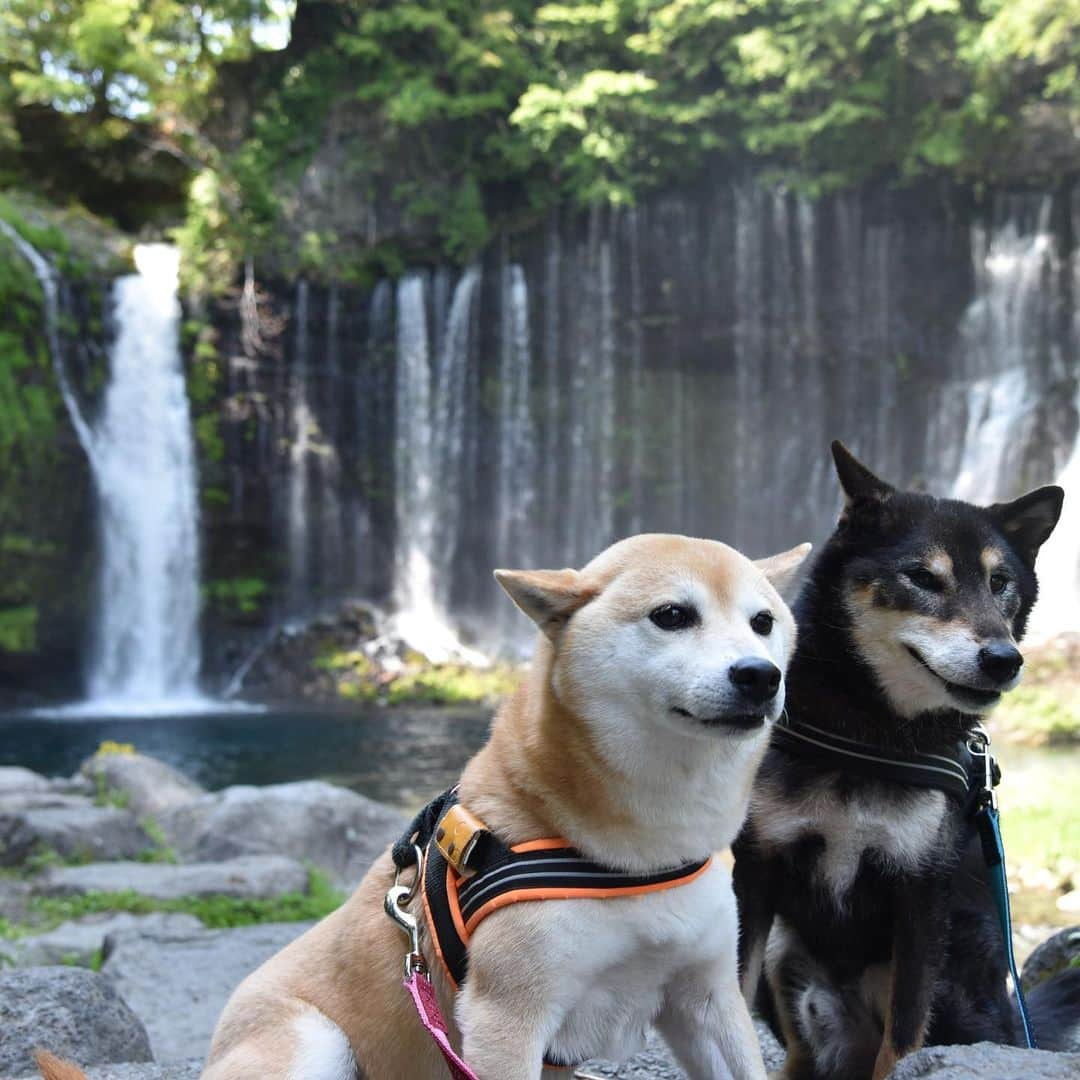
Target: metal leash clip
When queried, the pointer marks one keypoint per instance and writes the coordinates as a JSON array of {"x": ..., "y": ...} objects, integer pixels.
[
  {"x": 979, "y": 746},
  {"x": 398, "y": 897}
]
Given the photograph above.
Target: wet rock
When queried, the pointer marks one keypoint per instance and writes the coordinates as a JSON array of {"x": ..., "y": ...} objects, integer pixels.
[
  {"x": 179, "y": 980},
  {"x": 338, "y": 830},
  {"x": 984, "y": 1060},
  {"x": 1053, "y": 955},
  {"x": 177, "y": 1070},
  {"x": 73, "y": 1012},
  {"x": 80, "y": 941},
  {"x": 149, "y": 786},
  {"x": 15, "y": 778},
  {"x": 15, "y": 896},
  {"x": 51, "y": 798},
  {"x": 248, "y": 877},
  {"x": 656, "y": 1062},
  {"x": 72, "y": 827}
]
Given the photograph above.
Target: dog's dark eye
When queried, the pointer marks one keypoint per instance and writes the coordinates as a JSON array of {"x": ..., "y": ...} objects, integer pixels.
[
  {"x": 762, "y": 623},
  {"x": 673, "y": 617},
  {"x": 924, "y": 579},
  {"x": 998, "y": 583}
]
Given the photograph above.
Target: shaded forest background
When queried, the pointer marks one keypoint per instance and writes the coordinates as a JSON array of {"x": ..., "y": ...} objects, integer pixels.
[{"x": 449, "y": 121}]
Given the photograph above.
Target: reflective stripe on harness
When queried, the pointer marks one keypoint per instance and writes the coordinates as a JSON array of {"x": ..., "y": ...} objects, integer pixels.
[
  {"x": 493, "y": 875},
  {"x": 455, "y": 905}
]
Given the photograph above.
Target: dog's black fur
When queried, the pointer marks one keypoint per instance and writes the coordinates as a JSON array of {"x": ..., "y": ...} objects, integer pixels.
[{"x": 930, "y": 928}]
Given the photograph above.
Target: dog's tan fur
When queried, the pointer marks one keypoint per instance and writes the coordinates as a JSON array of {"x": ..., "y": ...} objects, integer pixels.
[
  {"x": 53, "y": 1068},
  {"x": 541, "y": 774}
]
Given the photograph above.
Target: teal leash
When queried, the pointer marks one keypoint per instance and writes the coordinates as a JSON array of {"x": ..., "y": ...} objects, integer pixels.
[
  {"x": 955, "y": 772},
  {"x": 988, "y": 822}
]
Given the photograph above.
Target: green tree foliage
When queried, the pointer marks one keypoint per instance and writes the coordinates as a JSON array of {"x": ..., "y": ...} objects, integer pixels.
[
  {"x": 116, "y": 60},
  {"x": 467, "y": 110},
  {"x": 105, "y": 87}
]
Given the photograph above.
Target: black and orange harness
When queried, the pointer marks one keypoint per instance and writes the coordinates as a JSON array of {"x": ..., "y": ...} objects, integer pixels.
[{"x": 469, "y": 873}]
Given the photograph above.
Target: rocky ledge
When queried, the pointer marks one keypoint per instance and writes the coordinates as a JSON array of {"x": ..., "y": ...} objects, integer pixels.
[
  {"x": 121, "y": 944},
  {"x": 355, "y": 655}
]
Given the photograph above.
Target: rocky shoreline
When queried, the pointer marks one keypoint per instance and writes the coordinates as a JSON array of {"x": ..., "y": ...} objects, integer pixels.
[
  {"x": 353, "y": 654},
  {"x": 132, "y": 902}
]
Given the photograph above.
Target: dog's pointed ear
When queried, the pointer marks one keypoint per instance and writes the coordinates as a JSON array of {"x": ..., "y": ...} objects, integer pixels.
[
  {"x": 782, "y": 569},
  {"x": 856, "y": 479},
  {"x": 1029, "y": 520},
  {"x": 548, "y": 597}
]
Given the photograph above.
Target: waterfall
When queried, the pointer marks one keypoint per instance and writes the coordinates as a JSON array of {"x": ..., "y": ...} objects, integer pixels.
[
  {"x": 588, "y": 513},
  {"x": 516, "y": 495},
  {"x": 331, "y": 565},
  {"x": 430, "y": 415},
  {"x": 999, "y": 338},
  {"x": 147, "y": 653},
  {"x": 300, "y": 435},
  {"x": 693, "y": 358}
]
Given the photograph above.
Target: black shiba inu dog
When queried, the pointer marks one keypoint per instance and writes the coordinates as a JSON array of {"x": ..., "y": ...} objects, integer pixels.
[{"x": 865, "y": 899}]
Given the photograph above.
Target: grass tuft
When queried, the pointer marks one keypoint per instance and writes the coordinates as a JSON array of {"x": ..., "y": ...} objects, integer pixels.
[{"x": 215, "y": 912}]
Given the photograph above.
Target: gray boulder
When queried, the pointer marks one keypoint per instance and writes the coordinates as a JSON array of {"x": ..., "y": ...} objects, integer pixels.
[
  {"x": 149, "y": 786},
  {"x": 656, "y": 1061},
  {"x": 336, "y": 829},
  {"x": 16, "y": 778},
  {"x": 73, "y": 1012},
  {"x": 80, "y": 941},
  {"x": 176, "y": 1070},
  {"x": 13, "y": 802},
  {"x": 1053, "y": 955},
  {"x": 249, "y": 877},
  {"x": 72, "y": 827},
  {"x": 15, "y": 895},
  {"x": 179, "y": 981},
  {"x": 984, "y": 1061}
]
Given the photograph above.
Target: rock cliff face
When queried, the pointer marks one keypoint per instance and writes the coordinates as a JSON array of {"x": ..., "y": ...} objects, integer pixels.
[
  {"x": 677, "y": 367},
  {"x": 47, "y": 532}
]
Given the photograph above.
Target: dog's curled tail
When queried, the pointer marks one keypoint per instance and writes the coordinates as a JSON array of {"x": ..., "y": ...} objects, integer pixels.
[
  {"x": 1055, "y": 1011},
  {"x": 53, "y": 1068}
]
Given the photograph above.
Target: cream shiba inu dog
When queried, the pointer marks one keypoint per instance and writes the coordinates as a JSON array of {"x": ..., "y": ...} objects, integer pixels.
[{"x": 636, "y": 736}]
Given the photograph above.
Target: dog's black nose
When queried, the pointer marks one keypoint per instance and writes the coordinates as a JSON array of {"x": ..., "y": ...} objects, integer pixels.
[
  {"x": 1000, "y": 661},
  {"x": 756, "y": 679}
]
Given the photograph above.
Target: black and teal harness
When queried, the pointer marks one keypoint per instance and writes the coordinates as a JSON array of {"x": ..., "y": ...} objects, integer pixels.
[{"x": 966, "y": 772}]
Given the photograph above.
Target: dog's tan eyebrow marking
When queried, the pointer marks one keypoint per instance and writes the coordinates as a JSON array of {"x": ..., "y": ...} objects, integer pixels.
[
  {"x": 862, "y": 597},
  {"x": 991, "y": 558},
  {"x": 940, "y": 563}
]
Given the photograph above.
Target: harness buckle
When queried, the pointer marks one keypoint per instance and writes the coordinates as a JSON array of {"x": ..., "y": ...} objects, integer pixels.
[
  {"x": 979, "y": 746},
  {"x": 398, "y": 897},
  {"x": 456, "y": 836}
]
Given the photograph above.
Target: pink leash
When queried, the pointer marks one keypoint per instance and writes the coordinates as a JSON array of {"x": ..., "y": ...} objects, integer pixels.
[
  {"x": 427, "y": 1008},
  {"x": 416, "y": 981}
]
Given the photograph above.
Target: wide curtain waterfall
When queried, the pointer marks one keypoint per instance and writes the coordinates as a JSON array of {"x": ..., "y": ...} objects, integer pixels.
[{"x": 682, "y": 366}]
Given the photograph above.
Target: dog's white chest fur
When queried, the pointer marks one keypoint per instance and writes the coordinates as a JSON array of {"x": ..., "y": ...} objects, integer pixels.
[
  {"x": 901, "y": 828},
  {"x": 608, "y": 963}
]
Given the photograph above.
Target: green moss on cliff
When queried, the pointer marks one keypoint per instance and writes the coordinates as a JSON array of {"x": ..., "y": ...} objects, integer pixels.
[
  {"x": 18, "y": 628},
  {"x": 29, "y": 417},
  {"x": 243, "y": 596},
  {"x": 43, "y": 472}
]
